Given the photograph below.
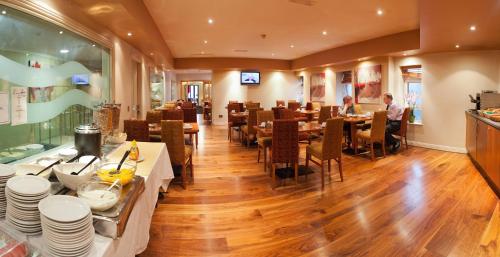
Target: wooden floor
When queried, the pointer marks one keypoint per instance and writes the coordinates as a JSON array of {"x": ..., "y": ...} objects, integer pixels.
[{"x": 419, "y": 202}]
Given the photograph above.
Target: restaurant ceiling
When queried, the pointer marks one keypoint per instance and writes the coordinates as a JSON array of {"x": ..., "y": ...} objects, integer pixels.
[{"x": 267, "y": 29}]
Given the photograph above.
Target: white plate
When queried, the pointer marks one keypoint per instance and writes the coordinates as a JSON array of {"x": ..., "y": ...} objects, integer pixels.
[
  {"x": 34, "y": 147},
  {"x": 7, "y": 171},
  {"x": 69, "y": 152},
  {"x": 28, "y": 185},
  {"x": 63, "y": 208}
]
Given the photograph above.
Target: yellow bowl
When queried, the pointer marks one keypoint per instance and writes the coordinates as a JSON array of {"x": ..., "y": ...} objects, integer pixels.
[{"x": 107, "y": 172}]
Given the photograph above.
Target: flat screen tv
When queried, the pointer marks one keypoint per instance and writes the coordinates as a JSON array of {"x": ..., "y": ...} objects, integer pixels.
[
  {"x": 250, "y": 78},
  {"x": 80, "y": 79}
]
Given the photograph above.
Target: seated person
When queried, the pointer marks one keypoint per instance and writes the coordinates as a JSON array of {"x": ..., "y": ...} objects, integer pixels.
[
  {"x": 348, "y": 107},
  {"x": 394, "y": 115}
]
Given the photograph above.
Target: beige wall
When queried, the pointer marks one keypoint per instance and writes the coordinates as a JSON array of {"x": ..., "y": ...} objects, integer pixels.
[
  {"x": 448, "y": 79},
  {"x": 226, "y": 86}
]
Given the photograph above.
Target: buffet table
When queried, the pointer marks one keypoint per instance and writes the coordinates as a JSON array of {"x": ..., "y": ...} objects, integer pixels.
[{"x": 157, "y": 172}]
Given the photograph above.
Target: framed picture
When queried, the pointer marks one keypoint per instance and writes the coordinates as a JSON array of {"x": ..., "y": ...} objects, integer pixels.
[
  {"x": 300, "y": 90},
  {"x": 368, "y": 84},
  {"x": 40, "y": 94},
  {"x": 317, "y": 89}
]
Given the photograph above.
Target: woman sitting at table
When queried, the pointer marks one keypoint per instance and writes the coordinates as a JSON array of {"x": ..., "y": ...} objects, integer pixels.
[{"x": 348, "y": 107}]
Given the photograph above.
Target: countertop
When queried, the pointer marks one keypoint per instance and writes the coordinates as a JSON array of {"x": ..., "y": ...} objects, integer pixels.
[{"x": 474, "y": 114}]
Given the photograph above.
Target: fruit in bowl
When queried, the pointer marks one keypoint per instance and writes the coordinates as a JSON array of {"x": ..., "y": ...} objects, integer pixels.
[{"x": 108, "y": 172}]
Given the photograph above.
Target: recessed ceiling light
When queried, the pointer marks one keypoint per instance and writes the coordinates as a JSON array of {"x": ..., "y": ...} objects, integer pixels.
[
  {"x": 202, "y": 52},
  {"x": 292, "y": 46},
  {"x": 4, "y": 12},
  {"x": 129, "y": 34},
  {"x": 61, "y": 32},
  {"x": 380, "y": 12},
  {"x": 405, "y": 54},
  {"x": 472, "y": 28},
  {"x": 457, "y": 46},
  {"x": 205, "y": 41},
  {"x": 93, "y": 45},
  {"x": 324, "y": 33},
  {"x": 272, "y": 54},
  {"x": 151, "y": 54},
  {"x": 360, "y": 59},
  {"x": 210, "y": 21},
  {"x": 64, "y": 51}
]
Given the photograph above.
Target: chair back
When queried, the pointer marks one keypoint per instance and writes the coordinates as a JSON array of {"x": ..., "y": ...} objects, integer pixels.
[
  {"x": 230, "y": 108},
  {"x": 358, "y": 109},
  {"x": 378, "y": 125},
  {"x": 276, "y": 112},
  {"x": 286, "y": 114},
  {"x": 137, "y": 130},
  {"x": 169, "y": 105},
  {"x": 172, "y": 134},
  {"x": 252, "y": 105},
  {"x": 190, "y": 115},
  {"x": 252, "y": 120},
  {"x": 325, "y": 113},
  {"x": 264, "y": 116},
  {"x": 187, "y": 105},
  {"x": 280, "y": 103},
  {"x": 335, "y": 110},
  {"x": 285, "y": 147},
  {"x": 309, "y": 106},
  {"x": 233, "y": 101},
  {"x": 316, "y": 105},
  {"x": 153, "y": 117},
  {"x": 404, "y": 121},
  {"x": 332, "y": 139},
  {"x": 172, "y": 114},
  {"x": 293, "y": 105}
]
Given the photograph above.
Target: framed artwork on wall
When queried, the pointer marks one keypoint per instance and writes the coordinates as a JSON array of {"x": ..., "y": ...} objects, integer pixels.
[
  {"x": 368, "y": 84},
  {"x": 317, "y": 90}
]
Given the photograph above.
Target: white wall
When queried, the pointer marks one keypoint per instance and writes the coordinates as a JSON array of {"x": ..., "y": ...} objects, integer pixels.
[
  {"x": 448, "y": 79},
  {"x": 274, "y": 85}
]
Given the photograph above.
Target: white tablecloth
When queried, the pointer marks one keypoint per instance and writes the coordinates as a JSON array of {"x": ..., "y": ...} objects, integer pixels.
[{"x": 157, "y": 171}]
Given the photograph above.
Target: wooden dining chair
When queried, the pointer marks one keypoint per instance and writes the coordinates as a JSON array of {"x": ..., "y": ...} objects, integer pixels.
[
  {"x": 286, "y": 114},
  {"x": 186, "y": 105},
  {"x": 330, "y": 148},
  {"x": 316, "y": 105},
  {"x": 358, "y": 109},
  {"x": 172, "y": 134},
  {"x": 137, "y": 130},
  {"x": 376, "y": 134},
  {"x": 252, "y": 105},
  {"x": 285, "y": 147},
  {"x": 175, "y": 114},
  {"x": 190, "y": 115},
  {"x": 280, "y": 103},
  {"x": 309, "y": 106},
  {"x": 325, "y": 113},
  {"x": 248, "y": 130},
  {"x": 335, "y": 110},
  {"x": 293, "y": 106},
  {"x": 401, "y": 133},
  {"x": 264, "y": 142},
  {"x": 233, "y": 123},
  {"x": 153, "y": 117},
  {"x": 276, "y": 112}
]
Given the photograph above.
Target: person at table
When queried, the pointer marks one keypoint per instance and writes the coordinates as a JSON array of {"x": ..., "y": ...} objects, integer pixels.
[
  {"x": 348, "y": 107},
  {"x": 394, "y": 115}
]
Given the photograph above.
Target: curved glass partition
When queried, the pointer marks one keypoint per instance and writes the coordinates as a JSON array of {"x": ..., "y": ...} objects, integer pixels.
[{"x": 51, "y": 79}]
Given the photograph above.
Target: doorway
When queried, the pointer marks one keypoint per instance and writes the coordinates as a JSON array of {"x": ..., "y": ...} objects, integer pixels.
[{"x": 136, "y": 99}]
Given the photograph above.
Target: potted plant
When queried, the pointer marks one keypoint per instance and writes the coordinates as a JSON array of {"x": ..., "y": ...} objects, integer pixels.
[{"x": 411, "y": 101}]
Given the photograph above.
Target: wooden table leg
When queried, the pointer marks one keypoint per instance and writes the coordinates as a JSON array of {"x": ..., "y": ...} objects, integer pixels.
[
  {"x": 354, "y": 139},
  {"x": 196, "y": 138}
]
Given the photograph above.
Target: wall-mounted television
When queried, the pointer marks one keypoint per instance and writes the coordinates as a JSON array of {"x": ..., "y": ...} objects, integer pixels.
[
  {"x": 80, "y": 79},
  {"x": 250, "y": 78}
]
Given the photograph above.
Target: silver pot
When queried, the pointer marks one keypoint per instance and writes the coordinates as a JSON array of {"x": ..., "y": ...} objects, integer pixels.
[{"x": 88, "y": 140}]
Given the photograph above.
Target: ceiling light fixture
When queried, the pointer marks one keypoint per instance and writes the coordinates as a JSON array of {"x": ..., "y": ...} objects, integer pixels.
[
  {"x": 61, "y": 32},
  {"x": 272, "y": 54},
  {"x": 205, "y": 41},
  {"x": 457, "y": 46},
  {"x": 292, "y": 46},
  {"x": 64, "y": 51},
  {"x": 324, "y": 33},
  {"x": 472, "y": 28},
  {"x": 380, "y": 12},
  {"x": 93, "y": 45},
  {"x": 151, "y": 54},
  {"x": 405, "y": 54},
  {"x": 210, "y": 21},
  {"x": 4, "y": 12},
  {"x": 202, "y": 52},
  {"x": 129, "y": 34}
]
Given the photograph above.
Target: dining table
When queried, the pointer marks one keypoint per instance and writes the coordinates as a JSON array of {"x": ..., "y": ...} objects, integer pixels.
[
  {"x": 192, "y": 130},
  {"x": 308, "y": 113},
  {"x": 353, "y": 121},
  {"x": 239, "y": 115},
  {"x": 308, "y": 127}
]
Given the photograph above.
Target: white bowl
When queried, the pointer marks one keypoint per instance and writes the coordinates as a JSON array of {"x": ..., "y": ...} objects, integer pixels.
[
  {"x": 24, "y": 169},
  {"x": 118, "y": 139},
  {"x": 63, "y": 173}
]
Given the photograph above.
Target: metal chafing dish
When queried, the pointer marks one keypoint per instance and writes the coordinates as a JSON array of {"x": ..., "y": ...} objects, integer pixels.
[{"x": 112, "y": 222}]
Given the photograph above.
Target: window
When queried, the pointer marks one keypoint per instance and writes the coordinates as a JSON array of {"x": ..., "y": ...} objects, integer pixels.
[
  {"x": 412, "y": 76},
  {"x": 51, "y": 79}
]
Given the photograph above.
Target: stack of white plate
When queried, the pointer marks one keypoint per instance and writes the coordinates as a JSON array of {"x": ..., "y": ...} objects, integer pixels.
[
  {"x": 23, "y": 194},
  {"x": 66, "y": 225},
  {"x": 6, "y": 172}
]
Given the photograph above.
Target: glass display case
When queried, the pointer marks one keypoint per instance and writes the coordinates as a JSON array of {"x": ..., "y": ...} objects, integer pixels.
[{"x": 51, "y": 79}]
